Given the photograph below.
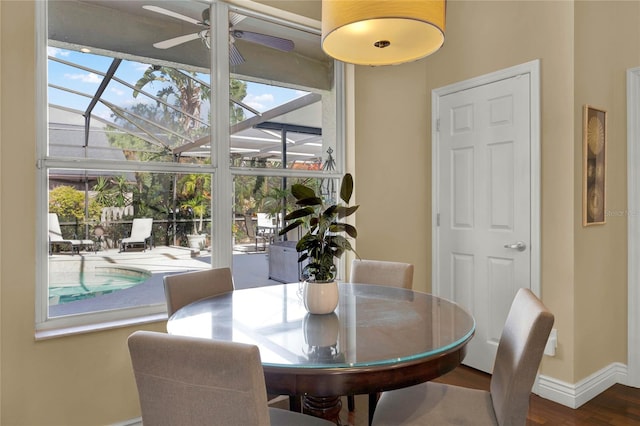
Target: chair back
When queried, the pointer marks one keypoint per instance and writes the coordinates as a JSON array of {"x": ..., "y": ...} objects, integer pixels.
[
  {"x": 394, "y": 274},
  {"x": 520, "y": 350},
  {"x": 191, "y": 381},
  {"x": 141, "y": 228},
  {"x": 182, "y": 289},
  {"x": 265, "y": 220},
  {"x": 55, "y": 233}
]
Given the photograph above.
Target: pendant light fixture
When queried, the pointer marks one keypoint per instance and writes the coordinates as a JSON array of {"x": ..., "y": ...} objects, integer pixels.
[{"x": 382, "y": 32}]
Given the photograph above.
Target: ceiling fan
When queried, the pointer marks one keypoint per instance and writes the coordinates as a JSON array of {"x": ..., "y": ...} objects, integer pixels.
[{"x": 235, "y": 58}]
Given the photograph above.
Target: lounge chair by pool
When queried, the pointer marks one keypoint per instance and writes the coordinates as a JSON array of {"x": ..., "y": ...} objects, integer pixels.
[
  {"x": 56, "y": 238},
  {"x": 140, "y": 234}
]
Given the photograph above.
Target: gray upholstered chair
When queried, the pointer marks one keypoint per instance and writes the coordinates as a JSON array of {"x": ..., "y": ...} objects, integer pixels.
[
  {"x": 190, "y": 381},
  {"x": 380, "y": 272},
  {"x": 395, "y": 274},
  {"x": 517, "y": 360},
  {"x": 184, "y": 288}
]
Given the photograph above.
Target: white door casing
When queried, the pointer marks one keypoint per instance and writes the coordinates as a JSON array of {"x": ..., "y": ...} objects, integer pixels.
[
  {"x": 486, "y": 198},
  {"x": 633, "y": 224}
]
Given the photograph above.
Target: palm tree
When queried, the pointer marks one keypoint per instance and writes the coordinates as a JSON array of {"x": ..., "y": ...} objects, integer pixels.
[
  {"x": 188, "y": 92},
  {"x": 196, "y": 190}
]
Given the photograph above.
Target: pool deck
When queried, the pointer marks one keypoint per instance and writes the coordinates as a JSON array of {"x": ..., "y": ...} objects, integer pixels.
[{"x": 250, "y": 269}]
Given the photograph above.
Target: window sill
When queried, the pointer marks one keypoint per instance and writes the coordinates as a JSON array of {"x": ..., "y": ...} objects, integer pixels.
[{"x": 102, "y": 326}]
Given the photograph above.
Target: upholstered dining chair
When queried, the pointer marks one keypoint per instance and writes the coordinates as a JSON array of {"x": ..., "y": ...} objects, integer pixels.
[
  {"x": 380, "y": 272},
  {"x": 520, "y": 350},
  {"x": 184, "y": 288},
  {"x": 191, "y": 381}
]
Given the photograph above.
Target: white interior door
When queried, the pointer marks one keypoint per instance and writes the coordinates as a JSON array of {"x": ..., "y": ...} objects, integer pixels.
[{"x": 484, "y": 231}]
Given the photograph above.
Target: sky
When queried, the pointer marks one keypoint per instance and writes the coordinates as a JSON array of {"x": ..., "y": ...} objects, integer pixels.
[{"x": 259, "y": 96}]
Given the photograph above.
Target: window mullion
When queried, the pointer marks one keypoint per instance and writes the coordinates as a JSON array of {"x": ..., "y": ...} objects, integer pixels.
[{"x": 223, "y": 184}]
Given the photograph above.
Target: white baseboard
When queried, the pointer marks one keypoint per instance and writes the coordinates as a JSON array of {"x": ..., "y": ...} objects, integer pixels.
[
  {"x": 130, "y": 422},
  {"x": 573, "y": 395}
]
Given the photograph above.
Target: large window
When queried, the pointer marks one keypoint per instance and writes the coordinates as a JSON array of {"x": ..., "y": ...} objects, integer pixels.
[{"x": 171, "y": 146}]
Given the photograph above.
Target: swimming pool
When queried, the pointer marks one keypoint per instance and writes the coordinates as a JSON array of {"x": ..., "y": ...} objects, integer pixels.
[{"x": 91, "y": 281}]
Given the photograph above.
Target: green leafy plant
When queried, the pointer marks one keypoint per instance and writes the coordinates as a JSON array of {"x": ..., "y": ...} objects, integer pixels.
[{"x": 324, "y": 239}]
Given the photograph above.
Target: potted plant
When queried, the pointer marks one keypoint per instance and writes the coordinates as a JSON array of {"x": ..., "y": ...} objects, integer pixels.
[
  {"x": 322, "y": 243},
  {"x": 196, "y": 208}
]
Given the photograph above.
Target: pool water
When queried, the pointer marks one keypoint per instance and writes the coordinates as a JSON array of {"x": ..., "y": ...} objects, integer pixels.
[{"x": 69, "y": 286}]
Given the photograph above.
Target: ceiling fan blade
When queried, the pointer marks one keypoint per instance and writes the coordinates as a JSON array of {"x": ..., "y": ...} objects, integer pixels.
[
  {"x": 172, "y": 42},
  {"x": 172, "y": 14},
  {"x": 235, "y": 58},
  {"x": 283, "y": 44}
]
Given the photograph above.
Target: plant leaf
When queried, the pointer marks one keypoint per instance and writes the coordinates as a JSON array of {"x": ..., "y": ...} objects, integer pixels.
[
  {"x": 346, "y": 188},
  {"x": 289, "y": 227},
  {"x": 330, "y": 211},
  {"x": 307, "y": 242},
  {"x": 344, "y": 211},
  {"x": 341, "y": 243},
  {"x": 311, "y": 201},
  {"x": 301, "y": 191},
  {"x": 299, "y": 213},
  {"x": 344, "y": 227},
  {"x": 350, "y": 230}
]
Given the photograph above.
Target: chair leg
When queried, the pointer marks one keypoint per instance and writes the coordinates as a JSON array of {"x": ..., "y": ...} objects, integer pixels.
[
  {"x": 373, "y": 401},
  {"x": 351, "y": 402},
  {"x": 295, "y": 404}
]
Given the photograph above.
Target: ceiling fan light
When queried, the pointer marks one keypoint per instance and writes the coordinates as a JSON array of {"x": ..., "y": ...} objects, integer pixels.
[{"x": 382, "y": 32}]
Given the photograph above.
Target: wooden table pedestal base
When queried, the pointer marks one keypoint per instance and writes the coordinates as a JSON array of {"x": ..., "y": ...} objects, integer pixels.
[{"x": 324, "y": 407}]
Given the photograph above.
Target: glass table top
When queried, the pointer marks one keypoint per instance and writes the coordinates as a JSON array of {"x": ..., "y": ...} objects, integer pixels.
[{"x": 373, "y": 325}]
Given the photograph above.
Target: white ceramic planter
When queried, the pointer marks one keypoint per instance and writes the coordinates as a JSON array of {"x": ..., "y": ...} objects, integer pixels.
[
  {"x": 320, "y": 298},
  {"x": 197, "y": 241}
]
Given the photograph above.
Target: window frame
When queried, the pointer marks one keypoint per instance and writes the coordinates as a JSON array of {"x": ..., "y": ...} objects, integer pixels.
[{"x": 220, "y": 170}]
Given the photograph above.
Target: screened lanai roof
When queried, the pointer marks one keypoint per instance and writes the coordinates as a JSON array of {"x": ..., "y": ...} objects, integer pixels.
[
  {"x": 256, "y": 136},
  {"x": 167, "y": 117}
]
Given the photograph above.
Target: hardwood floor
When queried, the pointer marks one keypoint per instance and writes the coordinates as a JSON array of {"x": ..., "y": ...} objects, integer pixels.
[{"x": 618, "y": 405}]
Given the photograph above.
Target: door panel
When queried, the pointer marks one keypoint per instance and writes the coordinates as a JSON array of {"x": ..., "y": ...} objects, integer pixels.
[{"x": 484, "y": 193}]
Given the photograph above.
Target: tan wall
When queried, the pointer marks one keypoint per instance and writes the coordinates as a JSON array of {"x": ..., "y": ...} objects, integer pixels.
[
  {"x": 393, "y": 134},
  {"x": 393, "y": 166},
  {"x": 607, "y": 44},
  {"x": 87, "y": 379},
  {"x": 81, "y": 380}
]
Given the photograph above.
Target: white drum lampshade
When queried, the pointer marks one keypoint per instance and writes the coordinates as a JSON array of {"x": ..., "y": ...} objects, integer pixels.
[{"x": 382, "y": 32}]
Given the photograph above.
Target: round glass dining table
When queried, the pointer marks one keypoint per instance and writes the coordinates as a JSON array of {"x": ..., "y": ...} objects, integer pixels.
[{"x": 379, "y": 338}]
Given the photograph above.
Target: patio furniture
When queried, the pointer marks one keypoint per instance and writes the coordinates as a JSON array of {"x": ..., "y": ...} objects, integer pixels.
[
  {"x": 192, "y": 381},
  {"x": 99, "y": 234},
  {"x": 268, "y": 226},
  {"x": 141, "y": 234},
  {"x": 283, "y": 262},
  {"x": 253, "y": 234},
  {"x": 519, "y": 353},
  {"x": 56, "y": 238},
  {"x": 182, "y": 289}
]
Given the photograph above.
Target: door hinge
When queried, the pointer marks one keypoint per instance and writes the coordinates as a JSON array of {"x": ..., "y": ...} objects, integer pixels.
[
  {"x": 437, "y": 125},
  {"x": 437, "y": 219}
]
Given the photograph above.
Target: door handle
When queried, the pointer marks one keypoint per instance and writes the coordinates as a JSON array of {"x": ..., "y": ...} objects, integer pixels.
[{"x": 520, "y": 246}]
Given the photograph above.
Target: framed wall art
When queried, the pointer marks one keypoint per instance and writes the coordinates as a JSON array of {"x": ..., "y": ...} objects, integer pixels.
[{"x": 594, "y": 149}]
